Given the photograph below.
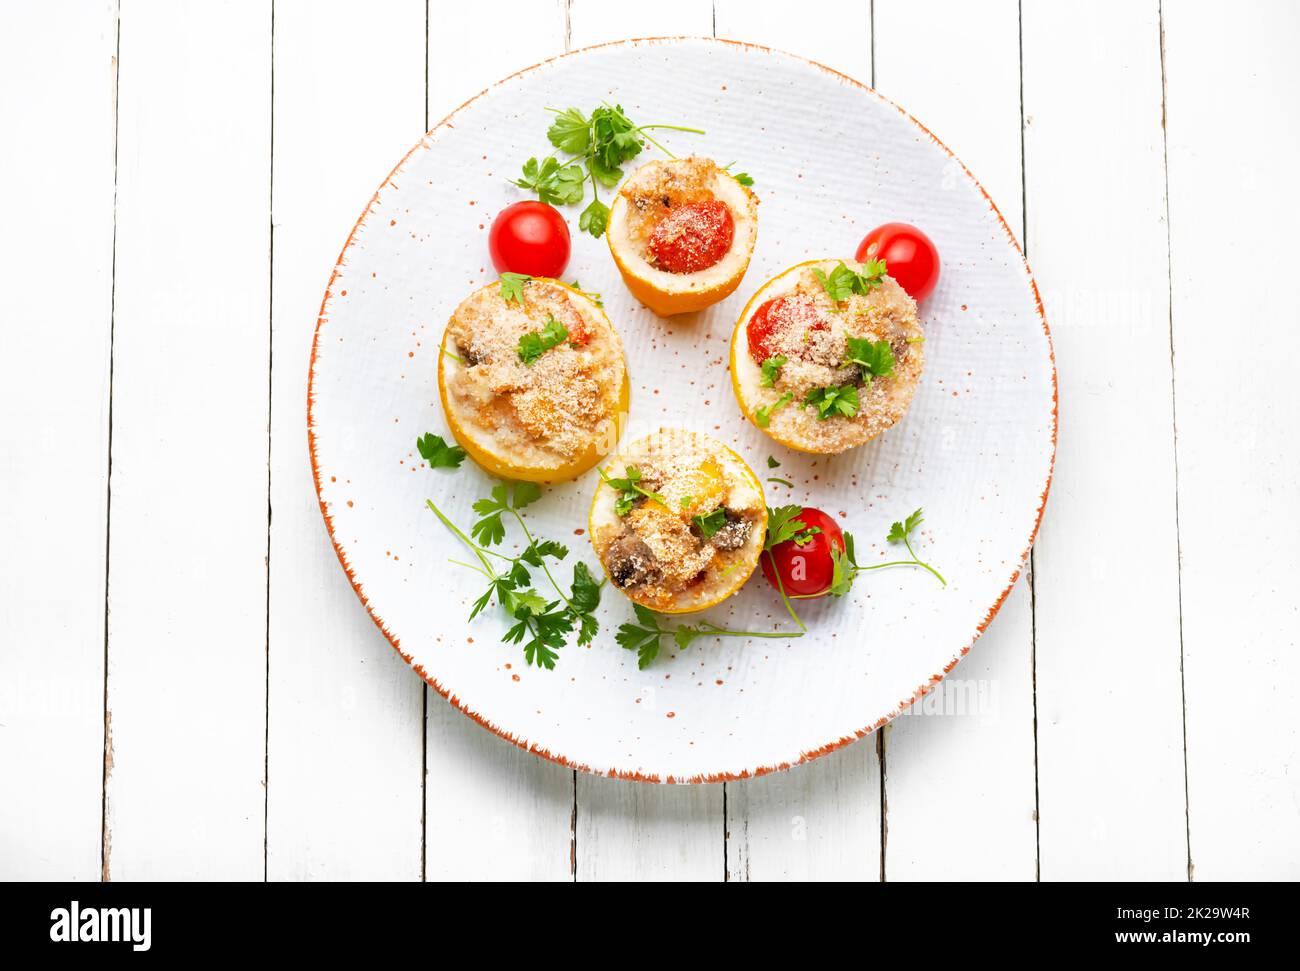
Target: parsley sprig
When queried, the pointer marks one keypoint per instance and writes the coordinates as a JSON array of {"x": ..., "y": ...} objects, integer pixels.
[
  {"x": 646, "y": 635},
  {"x": 710, "y": 523},
  {"x": 434, "y": 450},
  {"x": 541, "y": 625},
  {"x": 833, "y": 401},
  {"x": 845, "y": 566},
  {"x": 876, "y": 358},
  {"x": 842, "y": 282},
  {"x": 629, "y": 489},
  {"x": 512, "y": 287},
  {"x": 537, "y": 342},
  {"x": 595, "y": 146}
]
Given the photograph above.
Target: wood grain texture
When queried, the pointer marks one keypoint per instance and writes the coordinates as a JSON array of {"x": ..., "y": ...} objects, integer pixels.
[
  {"x": 1232, "y": 178},
  {"x": 846, "y": 47},
  {"x": 959, "y": 782},
  {"x": 55, "y": 319},
  {"x": 187, "y": 553},
  {"x": 820, "y": 821},
  {"x": 493, "y": 811},
  {"x": 1110, "y": 732},
  {"x": 345, "y": 734}
]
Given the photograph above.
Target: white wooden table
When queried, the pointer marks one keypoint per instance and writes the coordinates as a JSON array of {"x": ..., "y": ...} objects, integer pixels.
[{"x": 189, "y": 688}]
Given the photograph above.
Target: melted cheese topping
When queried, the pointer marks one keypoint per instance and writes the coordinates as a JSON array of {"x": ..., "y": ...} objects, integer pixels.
[
  {"x": 542, "y": 414},
  {"x": 654, "y": 190},
  {"x": 657, "y": 553},
  {"x": 814, "y": 344}
]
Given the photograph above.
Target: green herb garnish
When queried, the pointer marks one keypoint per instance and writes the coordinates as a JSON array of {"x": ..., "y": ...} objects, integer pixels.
[
  {"x": 710, "y": 523},
  {"x": 438, "y": 453},
  {"x": 512, "y": 287},
  {"x": 842, "y": 282},
  {"x": 771, "y": 369},
  {"x": 629, "y": 489},
  {"x": 596, "y": 146},
  {"x": 542, "y": 625},
  {"x": 833, "y": 401},
  {"x": 537, "y": 342},
  {"x": 644, "y": 636},
  {"x": 763, "y": 414},
  {"x": 876, "y": 358}
]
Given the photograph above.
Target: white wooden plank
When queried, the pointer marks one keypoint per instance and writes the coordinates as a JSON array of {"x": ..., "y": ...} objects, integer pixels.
[
  {"x": 955, "y": 66},
  {"x": 55, "y": 305},
  {"x": 820, "y": 821},
  {"x": 188, "y": 542},
  {"x": 599, "y": 21},
  {"x": 1110, "y": 734},
  {"x": 637, "y": 832},
  {"x": 1232, "y": 190},
  {"x": 836, "y": 33},
  {"x": 629, "y": 830},
  {"x": 493, "y": 811},
  {"x": 345, "y": 737}
]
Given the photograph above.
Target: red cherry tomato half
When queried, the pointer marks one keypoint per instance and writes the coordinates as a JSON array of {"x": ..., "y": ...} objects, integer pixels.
[
  {"x": 805, "y": 568},
  {"x": 911, "y": 258},
  {"x": 775, "y": 318},
  {"x": 693, "y": 237},
  {"x": 531, "y": 238}
]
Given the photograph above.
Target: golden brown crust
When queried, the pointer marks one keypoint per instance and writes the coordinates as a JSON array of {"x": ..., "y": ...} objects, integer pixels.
[
  {"x": 546, "y": 411},
  {"x": 815, "y": 352},
  {"x": 659, "y": 553}
]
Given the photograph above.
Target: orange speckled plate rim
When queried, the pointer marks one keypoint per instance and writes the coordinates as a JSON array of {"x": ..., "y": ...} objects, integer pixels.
[{"x": 558, "y": 757}]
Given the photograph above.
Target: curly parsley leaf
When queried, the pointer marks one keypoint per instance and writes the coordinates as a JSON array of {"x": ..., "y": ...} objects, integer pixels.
[
  {"x": 744, "y": 178},
  {"x": 902, "y": 532},
  {"x": 645, "y": 635},
  {"x": 710, "y": 523},
  {"x": 512, "y": 287},
  {"x": 438, "y": 453},
  {"x": 783, "y": 523},
  {"x": 771, "y": 369},
  {"x": 570, "y": 131},
  {"x": 876, "y": 358},
  {"x": 537, "y": 342},
  {"x": 843, "y": 281},
  {"x": 763, "y": 414},
  {"x": 597, "y": 145},
  {"x": 833, "y": 401},
  {"x": 555, "y": 184},
  {"x": 629, "y": 489},
  {"x": 594, "y": 218},
  {"x": 642, "y": 637}
]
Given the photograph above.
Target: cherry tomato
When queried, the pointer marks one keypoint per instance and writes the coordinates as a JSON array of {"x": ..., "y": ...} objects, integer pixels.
[
  {"x": 693, "y": 237},
  {"x": 773, "y": 319},
  {"x": 529, "y": 237},
  {"x": 911, "y": 257},
  {"x": 805, "y": 568}
]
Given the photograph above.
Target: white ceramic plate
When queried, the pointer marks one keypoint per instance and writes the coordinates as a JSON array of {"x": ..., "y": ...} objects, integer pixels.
[{"x": 830, "y": 159}]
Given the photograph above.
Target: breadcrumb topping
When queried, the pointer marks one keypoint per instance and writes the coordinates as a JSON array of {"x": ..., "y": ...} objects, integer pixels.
[
  {"x": 659, "y": 550},
  {"x": 543, "y": 413},
  {"x": 810, "y": 331},
  {"x": 658, "y": 188}
]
